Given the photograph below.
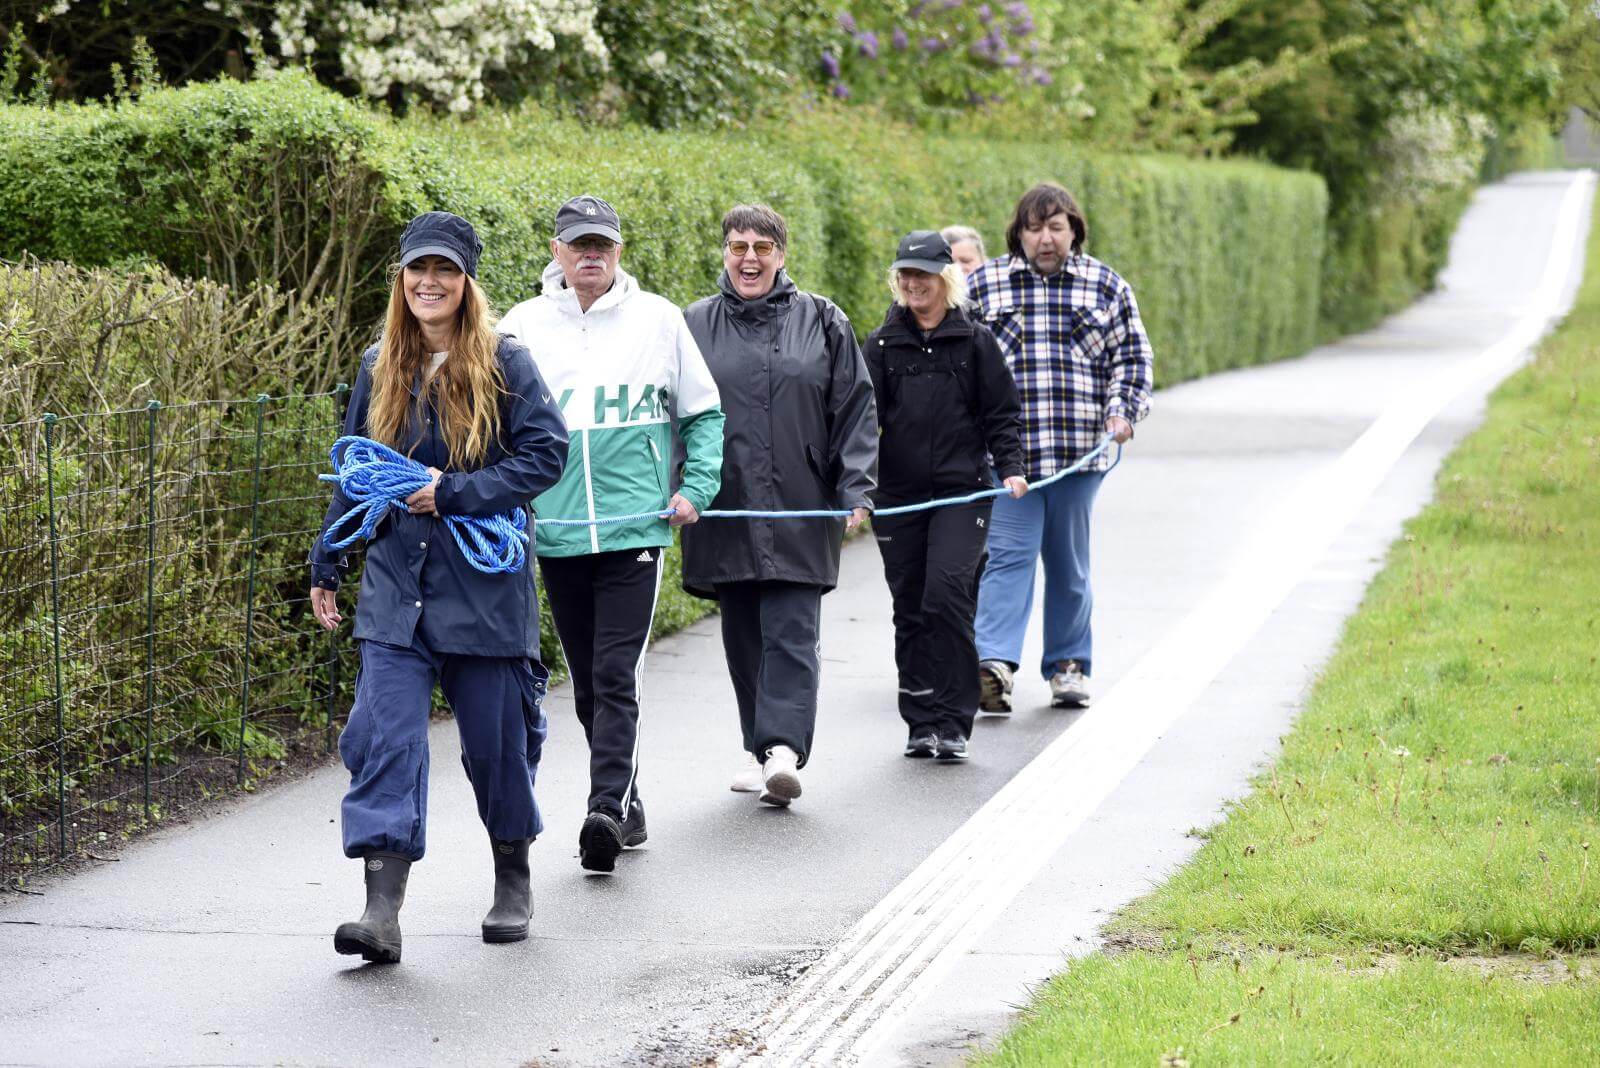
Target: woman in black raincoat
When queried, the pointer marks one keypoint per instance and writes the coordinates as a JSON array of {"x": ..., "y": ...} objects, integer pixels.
[
  {"x": 948, "y": 407},
  {"x": 801, "y": 434}
]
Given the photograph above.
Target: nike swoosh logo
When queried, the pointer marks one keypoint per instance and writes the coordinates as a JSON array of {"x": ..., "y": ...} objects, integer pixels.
[{"x": 912, "y": 248}]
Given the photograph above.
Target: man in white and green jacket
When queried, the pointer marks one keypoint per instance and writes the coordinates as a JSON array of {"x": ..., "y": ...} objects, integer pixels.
[{"x": 622, "y": 365}]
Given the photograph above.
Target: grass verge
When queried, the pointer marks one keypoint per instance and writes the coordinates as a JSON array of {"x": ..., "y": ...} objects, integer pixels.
[{"x": 1412, "y": 882}]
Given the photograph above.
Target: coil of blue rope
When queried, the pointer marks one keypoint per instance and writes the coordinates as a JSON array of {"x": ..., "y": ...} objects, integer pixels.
[
  {"x": 377, "y": 478},
  {"x": 1083, "y": 461}
]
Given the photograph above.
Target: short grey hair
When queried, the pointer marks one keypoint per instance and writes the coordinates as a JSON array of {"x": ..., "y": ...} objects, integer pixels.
[
  {"x": 758, "y": 218},
  {"x": 956, "y": 234}
]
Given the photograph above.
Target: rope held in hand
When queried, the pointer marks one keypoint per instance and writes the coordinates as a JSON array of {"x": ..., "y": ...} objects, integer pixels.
[
  {"x": 378, "y": 478},
  {"x": 373, "y": 475},
  {"x": 844, "y": 513}
]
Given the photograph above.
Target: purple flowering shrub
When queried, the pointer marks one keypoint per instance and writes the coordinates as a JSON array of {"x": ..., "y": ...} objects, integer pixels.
[{"x": 934, "y": 55}]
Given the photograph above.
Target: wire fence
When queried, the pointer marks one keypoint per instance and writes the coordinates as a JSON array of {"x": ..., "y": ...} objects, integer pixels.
[{"x": 156, "y": 645}]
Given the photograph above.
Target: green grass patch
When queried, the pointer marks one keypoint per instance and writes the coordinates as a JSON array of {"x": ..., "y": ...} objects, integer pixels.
[
  {"x": 1438, "y": 797},
  {"x": 1163, "y": 1009}
]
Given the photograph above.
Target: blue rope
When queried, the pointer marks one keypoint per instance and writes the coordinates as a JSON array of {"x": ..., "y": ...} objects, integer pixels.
[
  {"x": 378, "y": 478},
  {"x": 373, "y": 475},
  {"x": 844, "y": 513}
]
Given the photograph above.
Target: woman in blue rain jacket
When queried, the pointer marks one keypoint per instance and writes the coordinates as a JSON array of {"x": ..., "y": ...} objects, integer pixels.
[{"x": 441, "y": 387}]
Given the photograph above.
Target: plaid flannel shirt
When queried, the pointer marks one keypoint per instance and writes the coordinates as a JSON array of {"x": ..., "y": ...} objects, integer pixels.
[{"x": 1076, "y": 348}]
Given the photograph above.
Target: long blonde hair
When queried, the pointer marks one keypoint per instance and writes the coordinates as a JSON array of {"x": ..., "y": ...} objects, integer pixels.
[{"x": 467, "y": 386}]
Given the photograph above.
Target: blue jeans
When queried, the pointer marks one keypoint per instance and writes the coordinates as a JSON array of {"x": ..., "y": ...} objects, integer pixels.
[
  {"x": 1052, "y": 522},
  {"x": 498, "y": 707}
]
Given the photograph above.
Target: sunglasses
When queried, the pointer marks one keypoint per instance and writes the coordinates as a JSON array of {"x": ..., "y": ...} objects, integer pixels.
[
  {"x": 763, "y": 248},
  {"x": 592, "y": 244}
]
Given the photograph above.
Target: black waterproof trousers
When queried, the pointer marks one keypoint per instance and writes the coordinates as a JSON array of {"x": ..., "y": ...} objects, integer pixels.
[
  {"x": 604, "y": 604},
  {"x": 931, "y": 561},
  {"x": 771, "y": 634}
]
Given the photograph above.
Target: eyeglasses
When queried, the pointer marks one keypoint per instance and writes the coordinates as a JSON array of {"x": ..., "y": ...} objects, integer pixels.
[
  {"x": 763, "y": 248},
  {"x": 592, "y": 244}
]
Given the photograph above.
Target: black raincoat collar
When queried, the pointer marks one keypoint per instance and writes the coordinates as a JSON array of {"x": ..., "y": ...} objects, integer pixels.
[
  {"x": 765, "y": 306},
  {"x": 900, "y": 322}
]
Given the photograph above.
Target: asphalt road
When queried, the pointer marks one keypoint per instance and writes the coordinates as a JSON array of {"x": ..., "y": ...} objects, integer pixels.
[{"x": 211, "y": 944}]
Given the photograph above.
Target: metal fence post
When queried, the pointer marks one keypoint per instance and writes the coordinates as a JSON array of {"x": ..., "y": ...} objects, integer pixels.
[
  {"x": 250, "y": 584},
  {"x": 150, "y": 602},
  {"x": 341, "y": 401},
  {"x": 55, "y": 626}
]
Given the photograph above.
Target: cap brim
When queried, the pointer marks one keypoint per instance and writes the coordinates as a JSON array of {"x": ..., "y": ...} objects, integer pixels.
[
  {"x": 585, "y": 229},
  {"x": 930, "y": 266},
  {"x": 411, "y": 255}
]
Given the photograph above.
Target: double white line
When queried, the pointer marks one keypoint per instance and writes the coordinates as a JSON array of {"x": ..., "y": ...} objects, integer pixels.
[{"x": 851, "y": 999}]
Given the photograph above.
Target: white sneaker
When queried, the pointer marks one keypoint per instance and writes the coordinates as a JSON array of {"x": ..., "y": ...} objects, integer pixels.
[
  {"x": 1069, "y": 686},
  {"x": 780, "y": 777},
  {"x": 748, "y": 781}
]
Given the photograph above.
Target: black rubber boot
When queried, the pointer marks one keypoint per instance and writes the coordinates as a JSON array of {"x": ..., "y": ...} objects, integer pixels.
[
  {"x": 376, "y": 935},
  {"x": 507, "y": 920}
]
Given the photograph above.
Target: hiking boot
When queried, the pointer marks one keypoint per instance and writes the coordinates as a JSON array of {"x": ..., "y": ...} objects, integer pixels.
[
  {"x": 952, "y": 745},
  {"x": 994, "y": 687},
  {"x": 922, "y": 743},
  {"x": 748, "y": 781},
  {"x": 1069, "y": 686},
  {"x": 376, "y": 935},
  {"x": 508, "y": 917},
  {"x": 633, "y": 829},
  {"x": 599, "y": 841},
  {"x": 780, "y": 777}
]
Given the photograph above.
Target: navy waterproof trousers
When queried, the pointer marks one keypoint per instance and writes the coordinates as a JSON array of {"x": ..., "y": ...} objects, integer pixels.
[{"x": 498, "y": 705}]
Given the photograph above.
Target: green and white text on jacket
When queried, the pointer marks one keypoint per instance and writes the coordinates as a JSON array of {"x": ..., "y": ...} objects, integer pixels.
[{"x": 620, "y": 373}]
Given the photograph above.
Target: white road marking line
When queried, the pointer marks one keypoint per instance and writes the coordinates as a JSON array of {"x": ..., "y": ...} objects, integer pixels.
[{"x": 851, "y": 999}]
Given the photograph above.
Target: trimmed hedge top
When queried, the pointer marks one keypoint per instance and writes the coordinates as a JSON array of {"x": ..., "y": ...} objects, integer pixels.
[{"x": 288, "y": 183}]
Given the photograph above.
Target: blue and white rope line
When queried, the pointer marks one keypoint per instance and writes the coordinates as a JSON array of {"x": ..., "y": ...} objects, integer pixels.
[{"x": 372, "y": 475}]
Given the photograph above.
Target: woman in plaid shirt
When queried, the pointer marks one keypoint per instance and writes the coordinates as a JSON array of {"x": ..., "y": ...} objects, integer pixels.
[{"x": 1070, "y": 331}]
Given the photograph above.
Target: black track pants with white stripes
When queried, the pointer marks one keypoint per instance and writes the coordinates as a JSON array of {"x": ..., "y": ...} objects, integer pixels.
[
  {"x": 603, "y": 605},
  {"x": 931, "y": 561}
]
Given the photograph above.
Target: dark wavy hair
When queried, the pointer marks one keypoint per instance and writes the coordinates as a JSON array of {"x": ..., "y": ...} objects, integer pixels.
[{"x": 1040, "y": 203}]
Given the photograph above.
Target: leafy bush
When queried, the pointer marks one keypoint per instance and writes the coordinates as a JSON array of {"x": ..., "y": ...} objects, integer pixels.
[
  {"x": 934, "y": 57},
  {"x": 440, "y": 55},
  {"x": 713, "y": 62},
  {"x": 282, "y": 183},
  {"x": 154, "y": 512},
  {"x": 1434, "y": 71},
  {"x": 1225, "y": 257},
  {"x": 288, "y": 184}
]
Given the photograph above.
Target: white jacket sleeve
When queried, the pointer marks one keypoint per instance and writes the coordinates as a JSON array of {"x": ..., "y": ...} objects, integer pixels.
[{"x": 694, "y": 390}]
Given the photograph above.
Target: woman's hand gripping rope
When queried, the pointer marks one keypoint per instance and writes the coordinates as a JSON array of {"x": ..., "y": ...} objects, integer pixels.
[{"x": 376, "y": 478}]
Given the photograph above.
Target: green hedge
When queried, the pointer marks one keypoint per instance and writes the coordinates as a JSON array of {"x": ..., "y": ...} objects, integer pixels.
[
  {"x": 1226, "y": 258},
  {"x": 244, "y": 181}
]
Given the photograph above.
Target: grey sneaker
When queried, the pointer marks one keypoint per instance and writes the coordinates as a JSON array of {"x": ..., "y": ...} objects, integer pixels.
[
  {"x": 1069, "y": 686},
  {"x": 923, "y": 742},
  {"x": 994, "y": 687}
]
